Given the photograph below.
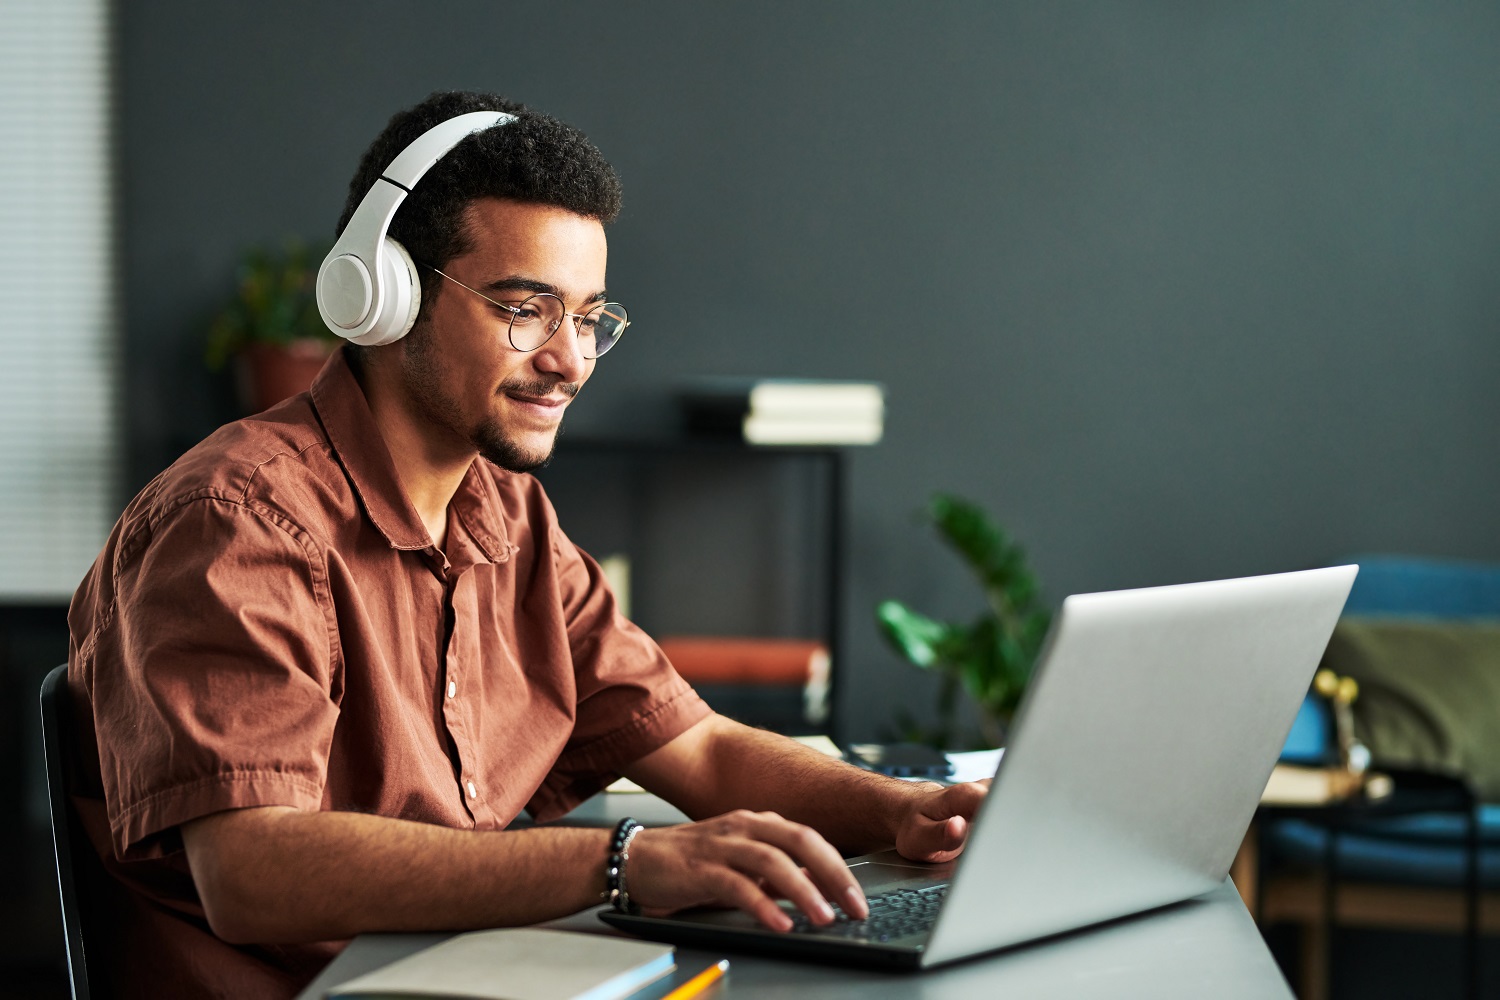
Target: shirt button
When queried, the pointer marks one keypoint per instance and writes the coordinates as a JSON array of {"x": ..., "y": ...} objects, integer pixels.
[
  {"x": 473, "y": 792},
  {"x": 452, "y": 689}
]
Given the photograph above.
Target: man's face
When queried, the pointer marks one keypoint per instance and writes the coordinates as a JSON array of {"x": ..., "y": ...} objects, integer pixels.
[{"x": 463, "y": 378}]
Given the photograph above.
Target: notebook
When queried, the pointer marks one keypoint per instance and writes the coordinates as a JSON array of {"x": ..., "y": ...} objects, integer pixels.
[
  {"x": 1136, "y": 762},
  {"x": 519, "y": 963}
]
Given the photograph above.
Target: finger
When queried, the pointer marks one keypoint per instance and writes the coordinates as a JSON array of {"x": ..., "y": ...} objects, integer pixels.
[
  {"x": 782, "y": 877},
  {"x": 953, "y": 833},
  {"x": 854, "y": 902},
  {"x": 957, "y": 800},
  {"x": 935, "y": 842},
  {"x": 734, "y": 889},
  {"x": 824, "y": 865}
]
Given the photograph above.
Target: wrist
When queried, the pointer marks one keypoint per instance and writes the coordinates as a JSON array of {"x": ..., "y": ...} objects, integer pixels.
[
  {"x": 616, "y": 874},
  {"x": 914, "y": 796}
]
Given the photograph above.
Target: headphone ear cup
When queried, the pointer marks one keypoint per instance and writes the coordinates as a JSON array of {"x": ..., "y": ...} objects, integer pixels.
[{"x": 403, "y": 296}]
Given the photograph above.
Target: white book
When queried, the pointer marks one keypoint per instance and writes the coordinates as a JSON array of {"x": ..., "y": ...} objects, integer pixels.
[
  {"x": 800, "y": 430},
  {"x": 772, "y": 396},
  {"x": 519, "y": 963},
  {"x": 732, "y": 398}
]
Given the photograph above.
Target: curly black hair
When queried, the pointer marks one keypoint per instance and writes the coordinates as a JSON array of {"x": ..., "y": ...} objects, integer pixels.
[{"x": 535, "y": 159}]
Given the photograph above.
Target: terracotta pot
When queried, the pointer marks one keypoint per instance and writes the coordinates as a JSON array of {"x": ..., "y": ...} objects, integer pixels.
[{"x": 265, "y": 374}]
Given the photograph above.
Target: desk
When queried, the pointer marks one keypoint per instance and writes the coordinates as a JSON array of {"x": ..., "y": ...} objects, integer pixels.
[
  {"x": 1208, "y": 946},
  {"x": 1205, "y": 947},
  {"x": 608, "y": 808}
]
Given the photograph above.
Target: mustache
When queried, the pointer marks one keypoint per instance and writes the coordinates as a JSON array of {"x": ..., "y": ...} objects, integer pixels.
[{"x": 539, "y": 387}]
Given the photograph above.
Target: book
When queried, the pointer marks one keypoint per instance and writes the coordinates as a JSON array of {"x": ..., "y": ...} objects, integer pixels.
[
  {"x": 808, "y": 397},
  {"x": 519, "y": 963},
  {"x": 765, "y": 429},
  {"x": 718, "y": 660},
  {"x": 751, "y": 673},
  {"x": 786, "y": 411},
  {"x": 1297, "y": 785}
]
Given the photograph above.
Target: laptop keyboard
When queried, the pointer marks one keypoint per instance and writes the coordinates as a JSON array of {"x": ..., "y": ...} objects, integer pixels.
[{"x": 892, "y": 915}]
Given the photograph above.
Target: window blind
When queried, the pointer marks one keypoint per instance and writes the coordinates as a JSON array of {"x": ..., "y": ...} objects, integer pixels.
[{"x": 58, "y": 379}]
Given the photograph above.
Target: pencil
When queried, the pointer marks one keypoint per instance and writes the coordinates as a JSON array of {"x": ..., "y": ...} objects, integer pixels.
[{"x": 700, "y": 982}]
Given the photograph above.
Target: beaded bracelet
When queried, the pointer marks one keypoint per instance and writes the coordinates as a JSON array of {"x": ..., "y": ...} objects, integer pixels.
[{"x": 615, "y": 891}]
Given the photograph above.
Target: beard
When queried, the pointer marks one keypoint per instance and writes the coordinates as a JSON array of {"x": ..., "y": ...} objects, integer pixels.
[
  {"x": 491, "y": 441},
  {"x": 427, "y": 389}
]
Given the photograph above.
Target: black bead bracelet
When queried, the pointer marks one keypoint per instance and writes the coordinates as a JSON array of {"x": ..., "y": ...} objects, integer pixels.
[{"x": 615, "y": 891}]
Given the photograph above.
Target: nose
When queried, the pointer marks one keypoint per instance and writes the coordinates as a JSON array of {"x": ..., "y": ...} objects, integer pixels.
[{"x": 562, "y": 354}]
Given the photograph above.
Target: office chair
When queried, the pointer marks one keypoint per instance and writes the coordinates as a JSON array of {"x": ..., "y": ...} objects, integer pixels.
[{"x": 76, "y": 860}]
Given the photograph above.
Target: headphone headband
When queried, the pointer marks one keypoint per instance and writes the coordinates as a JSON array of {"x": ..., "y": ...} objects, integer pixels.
[{"x": 368, "y": 291}]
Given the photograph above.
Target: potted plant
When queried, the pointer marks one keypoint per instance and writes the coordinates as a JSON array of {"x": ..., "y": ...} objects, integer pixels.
[
  {"x": 991, "y": 657},
  {"x": 271, "y": 329}
]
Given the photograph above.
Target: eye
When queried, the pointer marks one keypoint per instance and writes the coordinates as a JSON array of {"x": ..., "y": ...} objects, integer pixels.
[{"x": 526, "y": 312}]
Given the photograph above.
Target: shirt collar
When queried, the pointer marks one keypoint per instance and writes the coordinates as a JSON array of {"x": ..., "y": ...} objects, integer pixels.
[
  {"x": 345, "y": 414},
  {"x": 477, "y": 505}
]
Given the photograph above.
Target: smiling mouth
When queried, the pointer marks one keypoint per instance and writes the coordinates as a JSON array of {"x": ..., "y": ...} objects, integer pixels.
[
  {"x": 543, "y": 408},
  {"x": 551, "y": 402},
  {"x": 544, "y": 399},
  {"x": 540, "y": 392}
]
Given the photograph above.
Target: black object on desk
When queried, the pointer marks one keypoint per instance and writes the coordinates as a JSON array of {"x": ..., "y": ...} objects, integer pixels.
[{"x": 901, "y": 760}]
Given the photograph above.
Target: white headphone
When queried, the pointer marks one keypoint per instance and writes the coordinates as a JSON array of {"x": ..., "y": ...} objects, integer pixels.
[{"x": 368, "y": 291}]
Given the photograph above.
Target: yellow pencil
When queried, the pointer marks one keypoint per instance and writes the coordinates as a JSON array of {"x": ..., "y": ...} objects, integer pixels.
[{"x": 700, "y": 982}]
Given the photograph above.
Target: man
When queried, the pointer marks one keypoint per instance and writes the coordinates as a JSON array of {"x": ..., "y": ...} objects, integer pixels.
[{"x": 331, "y": 652}]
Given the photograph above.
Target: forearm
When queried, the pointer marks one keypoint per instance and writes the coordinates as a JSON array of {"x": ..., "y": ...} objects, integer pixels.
[
  {"x": 282, "y": 875},
  {"x": 731, "y": 766}
]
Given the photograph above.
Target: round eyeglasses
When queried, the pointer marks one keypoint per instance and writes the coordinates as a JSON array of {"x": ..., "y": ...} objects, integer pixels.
[{"x": 534, "y": 320}]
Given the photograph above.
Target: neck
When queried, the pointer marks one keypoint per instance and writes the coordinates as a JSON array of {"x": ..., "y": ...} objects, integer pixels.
[{"x": 430, "y": 463}]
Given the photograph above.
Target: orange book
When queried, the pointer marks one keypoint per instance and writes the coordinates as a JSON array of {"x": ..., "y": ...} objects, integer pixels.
[{"x": 715, "y": 660}]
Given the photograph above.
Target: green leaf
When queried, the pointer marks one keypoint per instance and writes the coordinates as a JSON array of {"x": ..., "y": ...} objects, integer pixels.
[
  {"x": 915, "y": 636},
  {"x": 971, "y": 533},
  {"x": 990, "y": 659}
]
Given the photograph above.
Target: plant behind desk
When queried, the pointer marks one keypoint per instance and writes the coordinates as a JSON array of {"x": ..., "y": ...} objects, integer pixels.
[
  {"x": 991, "y": 657},
  {"x": 270, "y": 327}
]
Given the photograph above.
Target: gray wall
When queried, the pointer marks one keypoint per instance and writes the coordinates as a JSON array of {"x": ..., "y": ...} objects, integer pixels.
[{"x": 1178, "y": 290}]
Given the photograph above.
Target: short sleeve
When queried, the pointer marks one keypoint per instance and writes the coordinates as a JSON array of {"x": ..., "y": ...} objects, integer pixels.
[
  {"x": 211, "y": 682},
  {"x": 630, "y": 699}
]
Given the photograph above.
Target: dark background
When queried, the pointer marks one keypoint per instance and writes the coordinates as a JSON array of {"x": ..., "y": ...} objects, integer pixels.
[{"x": 1178, "y": 291}]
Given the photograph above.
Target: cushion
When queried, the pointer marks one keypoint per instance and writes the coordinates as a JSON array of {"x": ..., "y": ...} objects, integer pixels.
[
  {"x": 1421, "y": 849},
  {"x": 1429, "y": 693}
]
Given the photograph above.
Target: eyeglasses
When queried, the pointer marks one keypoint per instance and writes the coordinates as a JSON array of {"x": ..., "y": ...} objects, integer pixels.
[{"x": 537, "y": 318}]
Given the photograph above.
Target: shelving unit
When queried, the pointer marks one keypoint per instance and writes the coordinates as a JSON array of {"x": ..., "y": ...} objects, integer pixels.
[{"x": 722, "y": 538}]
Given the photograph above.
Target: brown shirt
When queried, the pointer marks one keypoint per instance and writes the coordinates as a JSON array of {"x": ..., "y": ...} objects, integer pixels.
[{"x": 270, "y": 624}]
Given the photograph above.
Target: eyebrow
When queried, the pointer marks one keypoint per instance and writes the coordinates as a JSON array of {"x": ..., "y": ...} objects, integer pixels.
[{"x": 521, "y": 283}]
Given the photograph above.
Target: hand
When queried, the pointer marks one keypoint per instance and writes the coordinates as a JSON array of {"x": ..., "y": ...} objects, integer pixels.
[
  {"x": 936, "y": 824},
  {"x": 745, "y": 860}
]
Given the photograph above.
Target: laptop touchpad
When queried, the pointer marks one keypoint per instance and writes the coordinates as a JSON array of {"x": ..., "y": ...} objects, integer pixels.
[{"x": 878, "y": 876}]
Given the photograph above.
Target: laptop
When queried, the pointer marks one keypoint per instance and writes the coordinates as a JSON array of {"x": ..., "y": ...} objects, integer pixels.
[{"x": 1137, "y": 758}]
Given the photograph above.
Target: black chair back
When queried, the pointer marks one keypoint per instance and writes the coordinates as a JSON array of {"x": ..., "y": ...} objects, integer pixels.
[{"x": 75, "y": 855}]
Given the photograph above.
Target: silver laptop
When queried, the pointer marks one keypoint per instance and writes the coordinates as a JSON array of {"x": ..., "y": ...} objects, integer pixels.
[{"x": 1136, "y": 761}]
